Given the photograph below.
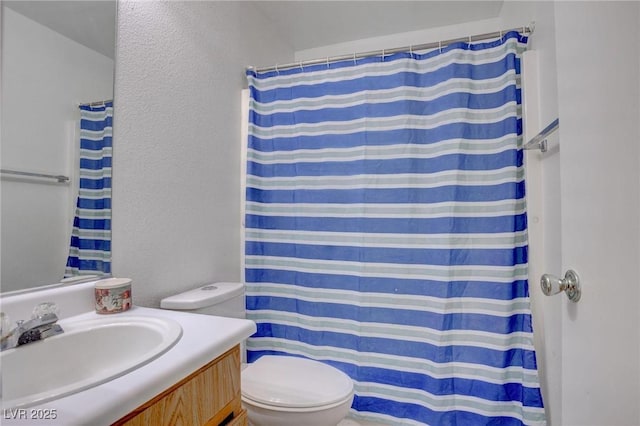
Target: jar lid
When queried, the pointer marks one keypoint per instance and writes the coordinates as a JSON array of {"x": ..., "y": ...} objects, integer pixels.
[{"x": 113, "y": 283}]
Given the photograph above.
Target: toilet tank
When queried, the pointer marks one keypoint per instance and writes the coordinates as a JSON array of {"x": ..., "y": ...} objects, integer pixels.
[{"x": 225, "y": 299}]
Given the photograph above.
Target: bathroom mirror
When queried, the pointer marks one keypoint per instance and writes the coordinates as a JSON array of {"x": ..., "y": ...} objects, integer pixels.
[{"x": 56, "y": 55}]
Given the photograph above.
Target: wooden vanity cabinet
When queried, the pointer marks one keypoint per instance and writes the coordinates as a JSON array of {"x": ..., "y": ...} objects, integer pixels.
[{"x": 210, "y": 396}]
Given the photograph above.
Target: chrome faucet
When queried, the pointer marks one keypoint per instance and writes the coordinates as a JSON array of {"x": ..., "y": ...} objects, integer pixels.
[{"x": 38, "y": 328}]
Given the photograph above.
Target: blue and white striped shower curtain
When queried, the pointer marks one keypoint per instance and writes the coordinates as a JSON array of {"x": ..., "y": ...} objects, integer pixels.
[
  {"x": 386, "y": 232},
  {"x": 90, "y": 247}
]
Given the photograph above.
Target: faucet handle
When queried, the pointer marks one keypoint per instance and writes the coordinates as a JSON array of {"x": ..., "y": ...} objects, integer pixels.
[
  {"x": 5, "y": 324},
  {"x": 45, "y": 308}
]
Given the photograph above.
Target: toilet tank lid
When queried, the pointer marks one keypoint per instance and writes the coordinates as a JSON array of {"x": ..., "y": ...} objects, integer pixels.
[{"x": 202, "y": 297}]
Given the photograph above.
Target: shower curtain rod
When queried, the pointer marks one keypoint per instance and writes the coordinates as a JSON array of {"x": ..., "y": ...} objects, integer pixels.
[
  {"x": 96, "y": 103},
  {"x": 384, "y": 52}
]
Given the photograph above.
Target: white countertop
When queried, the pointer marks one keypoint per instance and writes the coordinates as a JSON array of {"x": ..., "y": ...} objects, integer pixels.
[{"x": 203, "y": 339}]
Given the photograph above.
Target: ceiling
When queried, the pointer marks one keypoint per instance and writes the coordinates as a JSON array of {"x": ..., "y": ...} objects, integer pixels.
[
  {"x": 90, "y": 23},
  {"x": 305, "y": 24}
]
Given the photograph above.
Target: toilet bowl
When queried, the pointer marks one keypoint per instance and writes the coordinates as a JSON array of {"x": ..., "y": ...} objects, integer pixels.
[
  {"x": 291, "y": 391},
  {"x": 277, "y": 390}
]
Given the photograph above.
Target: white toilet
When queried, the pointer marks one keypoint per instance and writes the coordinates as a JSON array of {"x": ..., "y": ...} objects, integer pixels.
[{"x": 276, "y": 390}]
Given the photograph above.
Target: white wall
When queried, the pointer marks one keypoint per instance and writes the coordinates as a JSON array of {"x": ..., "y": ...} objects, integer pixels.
[
  {"x": 401, "y": 39},
  {"x": 176, "y": 195},
  {"x": 599, "y": 95},
  {"x": 44, "y": 77}
]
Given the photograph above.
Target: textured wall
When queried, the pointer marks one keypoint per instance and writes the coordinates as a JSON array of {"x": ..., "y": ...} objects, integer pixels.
[{"x": 176, "y": 196}]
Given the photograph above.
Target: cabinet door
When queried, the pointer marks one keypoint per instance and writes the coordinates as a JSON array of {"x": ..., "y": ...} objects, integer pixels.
[{"x": 210, "y": 396}]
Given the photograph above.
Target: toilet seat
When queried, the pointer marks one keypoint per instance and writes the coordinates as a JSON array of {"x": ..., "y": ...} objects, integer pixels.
[{"x": 294, "y": 383}]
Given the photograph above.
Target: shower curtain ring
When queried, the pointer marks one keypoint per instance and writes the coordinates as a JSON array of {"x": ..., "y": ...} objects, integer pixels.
[
  {"x": 440, "y": 46},
  {"x": 277, "y": 70}
]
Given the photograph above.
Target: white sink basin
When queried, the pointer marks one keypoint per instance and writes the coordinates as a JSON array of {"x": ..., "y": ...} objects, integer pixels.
[{"x": 88, "y": 353}]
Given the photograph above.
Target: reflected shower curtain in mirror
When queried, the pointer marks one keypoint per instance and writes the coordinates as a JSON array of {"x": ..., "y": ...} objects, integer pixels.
[
  {"x": 90, "y": 248},
  {"x": 386, "y": 231}
]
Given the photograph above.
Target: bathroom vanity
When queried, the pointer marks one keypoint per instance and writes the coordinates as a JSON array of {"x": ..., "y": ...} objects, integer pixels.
[
  {"x": 194, "y": 381},
  {"x": 209, "y": 396}
]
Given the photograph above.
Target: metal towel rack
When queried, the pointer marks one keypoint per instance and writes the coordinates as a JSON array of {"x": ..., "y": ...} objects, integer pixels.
[
  {"x": 59, "y": 178},
  {"x": 539, "y": 141}
]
